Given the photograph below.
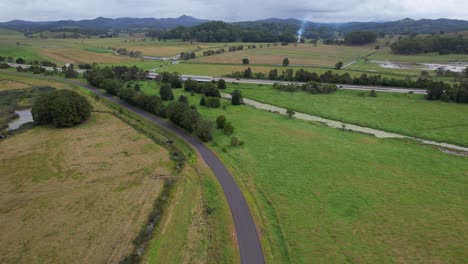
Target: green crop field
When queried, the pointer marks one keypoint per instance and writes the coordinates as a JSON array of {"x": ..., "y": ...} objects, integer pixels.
[
  {"x": 386, "y": 55},
  {"x": 325, "y": 195},
  {"x": 407, "y": 114}
]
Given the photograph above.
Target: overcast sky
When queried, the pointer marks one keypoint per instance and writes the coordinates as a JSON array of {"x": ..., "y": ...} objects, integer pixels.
[{"x": 232, "y": 10}]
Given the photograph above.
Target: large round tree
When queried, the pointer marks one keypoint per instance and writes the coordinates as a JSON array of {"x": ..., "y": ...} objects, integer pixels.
[{"x": 63, "y": 108}]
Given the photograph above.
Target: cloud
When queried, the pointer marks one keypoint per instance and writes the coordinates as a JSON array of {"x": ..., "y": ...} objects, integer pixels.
[{"x": 320, "y": 11}]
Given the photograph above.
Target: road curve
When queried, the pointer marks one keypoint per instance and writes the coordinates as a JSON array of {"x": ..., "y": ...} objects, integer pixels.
[{"x": 247, "y": 236}]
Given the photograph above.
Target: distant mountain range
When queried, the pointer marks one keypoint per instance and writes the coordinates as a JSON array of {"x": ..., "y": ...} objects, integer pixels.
[{"x": 101, "y": 25}]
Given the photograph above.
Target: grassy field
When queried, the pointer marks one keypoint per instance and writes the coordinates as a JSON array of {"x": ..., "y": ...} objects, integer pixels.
[
  {"x": 386, "y": 55},
  {"x": 298, "y": 54},
  {"x": 407, "y": 114},
  {"x": 324, "y": 195},
  {"x": 67, "y": 192},
  {"x": 82, "y": 194}
]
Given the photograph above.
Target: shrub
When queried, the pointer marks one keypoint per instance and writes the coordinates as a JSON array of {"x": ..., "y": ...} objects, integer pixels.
[
  {"x": 190, "y": 85},
  {"x": 228, "y": 128},
  {"x": 339, "y": 65},
  {"x": 20, "y": 60},
  {"x": 183, "y": 99},
  {"x": 372, "y": 93},
  {"x": 63, "y": 108},
  {"x": 236, "y": 97},
  {"x": 221, "y": 84},
  {"x": 204, "y": 130},
  {"x": 203, "y": 101},
  {"x": 213, "y": 102},
  {"x": 290, "y": 113},
  {"x": 220, "y": 122},
  {"x": 234, "y": 141}
]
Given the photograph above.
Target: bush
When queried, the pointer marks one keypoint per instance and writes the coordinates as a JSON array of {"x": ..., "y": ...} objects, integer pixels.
[
  {"x": 221, "y": 84},
  {"x": 204, "y": 130},
  {"x": 220, "y": 122},
  {"x": 228, "y": 128},
  {"x": 190, "y": 85},
  {"x": 372, "y": 93},
  {"x": 203, "y": 101},
  {"x": 234, "y": 141},
  {"x": 290, "y": 113},
  {"x": 20, "y": 60},
  {"x": 236, "y": 97},
  {"x": 213, "y": 102},
  {"x": 63, "y": 108},
  {"x": 183, "y": 99},
  {"x": 338, "y": 65}
]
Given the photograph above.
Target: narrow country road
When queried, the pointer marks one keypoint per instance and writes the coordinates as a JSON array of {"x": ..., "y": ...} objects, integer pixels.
[{"x": 247, "y": 235}]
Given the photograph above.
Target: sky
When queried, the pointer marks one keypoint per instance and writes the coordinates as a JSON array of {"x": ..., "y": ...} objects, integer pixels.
[{"x": 239, "y": 10}]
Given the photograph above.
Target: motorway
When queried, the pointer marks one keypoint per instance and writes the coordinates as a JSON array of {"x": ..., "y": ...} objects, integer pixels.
[
  {"x": 247, "y": 236},
  {"x": 200, "y": 78},
  {"x": 340, "y": 86}
]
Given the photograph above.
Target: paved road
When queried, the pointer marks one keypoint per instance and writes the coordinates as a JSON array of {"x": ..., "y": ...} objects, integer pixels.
[{"x": 247, "y": 236}]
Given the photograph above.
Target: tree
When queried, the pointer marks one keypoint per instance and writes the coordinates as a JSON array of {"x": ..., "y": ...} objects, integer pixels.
[
  {"x": 285, "y": 62},
  {"x": 360, "y": 37},
  {"x": 183, "y": 99},
  {"x": 220, "y": 122},
  {"x": 112, "y": 86},
  {"x": 339, "y": 65},
  {"x": 166, "y": 92},
  {"x": 290, "y": 113},
  {"x": 245, "y": 61},
  {"x": 190, "y": 85},
  {"x": 137, "y": 87},
  {"x": 236, "y": 97},
  {"x": 203, "y": 101},
  {"x": 63, "y": 108},
  {"x": 221, "y": 84},
  {"x": 228, "y": 128},
  {"x": 204, "y": 130},
  {"x": 372, "y": 93}
]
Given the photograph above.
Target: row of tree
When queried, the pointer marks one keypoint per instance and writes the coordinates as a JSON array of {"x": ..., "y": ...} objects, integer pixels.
[
  {"x": 360, "y": 37},
  {"x": 311, "y": 87},
  {"x": 442, "y": 44},
  {"x": 443, "y": 91},
  {"x": 125, "y": 52},
  {"x": 112, "y": 80},
  {"x": 331, "y": 77}
]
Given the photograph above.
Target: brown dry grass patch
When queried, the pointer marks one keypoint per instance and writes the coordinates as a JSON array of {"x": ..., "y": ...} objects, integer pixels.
[
  {"x": 77, "y": 56},
  {"x": 77, "y": 195},
  {"x": 301, "y": 54}
]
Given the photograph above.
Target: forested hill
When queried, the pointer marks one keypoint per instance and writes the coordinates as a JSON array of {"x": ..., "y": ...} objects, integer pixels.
[
  {"x": 268, "y": 29},
  {"x": 102, "y": 24},
  {"x": 422, "y": 26}
]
